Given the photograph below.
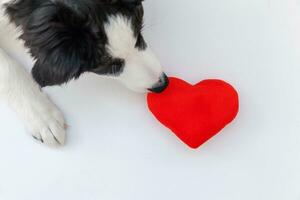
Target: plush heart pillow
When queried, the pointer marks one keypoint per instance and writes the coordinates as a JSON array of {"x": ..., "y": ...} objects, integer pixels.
[{"x": 195, "y": 113}]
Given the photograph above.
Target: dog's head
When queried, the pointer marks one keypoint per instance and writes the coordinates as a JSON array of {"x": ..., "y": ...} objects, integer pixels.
[{"x": 70, "y": 37}]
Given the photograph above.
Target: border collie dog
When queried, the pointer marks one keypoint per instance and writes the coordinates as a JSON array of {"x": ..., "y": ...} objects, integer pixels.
[{"x": 66, "y": 38}]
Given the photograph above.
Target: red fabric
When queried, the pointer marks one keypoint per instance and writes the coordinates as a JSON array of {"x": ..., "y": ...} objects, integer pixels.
[{"x": 195, "y": 113}]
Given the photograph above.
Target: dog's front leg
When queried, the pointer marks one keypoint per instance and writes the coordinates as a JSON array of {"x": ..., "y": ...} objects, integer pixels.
[{"x": 41, "y": 117}]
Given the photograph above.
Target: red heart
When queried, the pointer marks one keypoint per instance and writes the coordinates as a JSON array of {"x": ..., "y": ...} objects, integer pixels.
[{"x": 195, "y": 113}]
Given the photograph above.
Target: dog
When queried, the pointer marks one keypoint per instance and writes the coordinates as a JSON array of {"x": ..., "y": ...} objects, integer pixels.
[{"x": 67, "y": 38}]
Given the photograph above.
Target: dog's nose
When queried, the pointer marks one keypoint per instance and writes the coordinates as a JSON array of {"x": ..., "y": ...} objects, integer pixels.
[{"x": 161, "y": 85}]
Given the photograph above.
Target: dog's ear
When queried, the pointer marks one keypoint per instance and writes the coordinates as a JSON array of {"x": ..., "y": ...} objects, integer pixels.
[
  {"x": 60, "y": 37},
  {"x": 63, "y": 63},
  {"x": 66, "y": 48}
]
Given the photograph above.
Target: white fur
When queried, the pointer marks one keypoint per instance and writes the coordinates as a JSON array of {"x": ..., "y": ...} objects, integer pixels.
[
  {"x": 41, "y": 117},
  {"x": 142, "y": 69},
  {"x": 17, "y": 88}
]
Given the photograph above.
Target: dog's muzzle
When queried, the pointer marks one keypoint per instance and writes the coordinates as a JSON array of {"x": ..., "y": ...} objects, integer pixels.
[{"x": 161, "y": 85}]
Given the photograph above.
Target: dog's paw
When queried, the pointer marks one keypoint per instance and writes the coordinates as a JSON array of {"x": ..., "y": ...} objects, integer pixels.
[
  {"x": 45, "y": 122},
  {"x": 41, "y": 117}
]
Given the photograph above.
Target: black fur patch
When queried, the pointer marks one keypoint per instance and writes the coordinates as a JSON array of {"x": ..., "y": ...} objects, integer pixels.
[{"x": 67, "y": 37}]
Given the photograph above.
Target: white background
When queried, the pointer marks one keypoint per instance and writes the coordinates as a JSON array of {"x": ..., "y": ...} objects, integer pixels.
[{"x": 117, "y": 151}]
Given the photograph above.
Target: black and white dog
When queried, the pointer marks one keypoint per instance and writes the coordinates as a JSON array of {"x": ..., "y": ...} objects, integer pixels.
[{"x": 67, "y": 38}]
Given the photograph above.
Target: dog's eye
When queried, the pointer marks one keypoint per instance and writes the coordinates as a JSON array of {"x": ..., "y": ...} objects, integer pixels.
[
  {"x": 116, "y": 67},
  {"x": 110, "y": 67}
]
